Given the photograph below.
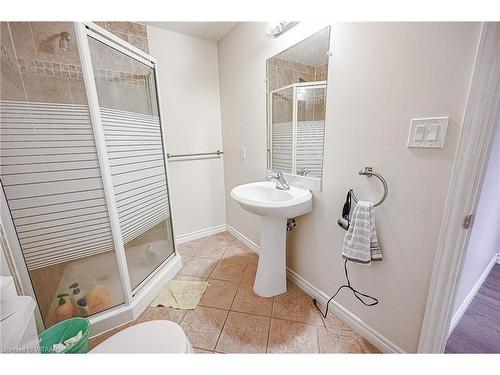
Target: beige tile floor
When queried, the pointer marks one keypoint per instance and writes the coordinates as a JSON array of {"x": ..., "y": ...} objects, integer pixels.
[{"x": 231, "y": 318}]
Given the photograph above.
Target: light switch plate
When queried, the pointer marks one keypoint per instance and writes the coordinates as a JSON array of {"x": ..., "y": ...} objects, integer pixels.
[{"x": 427, "y": 132}]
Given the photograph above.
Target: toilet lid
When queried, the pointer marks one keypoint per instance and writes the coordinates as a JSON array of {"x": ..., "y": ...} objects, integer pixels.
[{"x": 157, "y": 336}]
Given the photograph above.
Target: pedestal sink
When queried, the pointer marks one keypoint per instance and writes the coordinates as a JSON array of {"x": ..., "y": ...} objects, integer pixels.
[{"x": 274, "y": 207}]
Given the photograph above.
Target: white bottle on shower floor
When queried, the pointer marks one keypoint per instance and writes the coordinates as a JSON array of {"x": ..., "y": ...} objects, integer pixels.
[{"x": 151, "y": 255}]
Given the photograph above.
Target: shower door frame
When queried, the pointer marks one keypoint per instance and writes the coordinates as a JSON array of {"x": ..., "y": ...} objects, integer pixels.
[
  {"x": 293, "y": 86},
  {"x": 85, "y": 30},
  {"x": 138, "y": 298}
]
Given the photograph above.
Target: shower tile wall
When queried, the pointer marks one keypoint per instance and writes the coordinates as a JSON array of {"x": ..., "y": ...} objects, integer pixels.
[
  {"x": 321, "y": 72},
  {"x": 134, "y": 33},
  {"x": 33, "y": 68},
  {"x": 122, "y": 81},
  {"x": 283, "y": 73}
]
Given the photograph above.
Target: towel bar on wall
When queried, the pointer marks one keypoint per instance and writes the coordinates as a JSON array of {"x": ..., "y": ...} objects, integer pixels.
[
  {"x": 171, "y": 156},
  {"x": 369, "y": 172}
]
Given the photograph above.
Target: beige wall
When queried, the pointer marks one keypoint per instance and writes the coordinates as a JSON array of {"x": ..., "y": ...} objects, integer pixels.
[
  {"x": 381, "y": 76},
  {"x": 189, "y": 89}
]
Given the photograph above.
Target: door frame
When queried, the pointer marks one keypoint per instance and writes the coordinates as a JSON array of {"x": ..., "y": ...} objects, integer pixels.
[
  {"x": 83, "y": 32},
  {"x": 480, "y": 119}
]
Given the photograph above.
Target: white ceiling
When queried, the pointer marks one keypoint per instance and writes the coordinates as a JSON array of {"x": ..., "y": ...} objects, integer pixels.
[
  {"x": 205, "y": 30},
  {"x": 311, "y": 51}
]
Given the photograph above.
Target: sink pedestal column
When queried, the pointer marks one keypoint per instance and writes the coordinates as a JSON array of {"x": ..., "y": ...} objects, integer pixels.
[{"x": 270, "y": 279}]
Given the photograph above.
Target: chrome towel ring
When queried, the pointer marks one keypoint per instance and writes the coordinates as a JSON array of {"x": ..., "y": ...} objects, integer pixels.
[{"x": 369, "y": 172}]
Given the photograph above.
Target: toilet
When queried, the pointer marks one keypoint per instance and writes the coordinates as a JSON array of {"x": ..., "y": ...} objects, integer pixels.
[
  {"x": 156, "y": 336},
  {"x": 17, "y": 321}
]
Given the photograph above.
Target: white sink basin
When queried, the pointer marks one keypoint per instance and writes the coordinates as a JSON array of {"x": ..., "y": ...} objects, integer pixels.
[
  {"x": 263, "y": 199},
  {"x": 274, "y": 207}
]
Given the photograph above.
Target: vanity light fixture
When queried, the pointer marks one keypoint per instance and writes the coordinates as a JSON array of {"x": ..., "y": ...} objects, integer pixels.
[{"x": 275, "y": 29}]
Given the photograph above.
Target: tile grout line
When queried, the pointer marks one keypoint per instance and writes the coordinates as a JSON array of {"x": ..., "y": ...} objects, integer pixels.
[
  {"x": 206, "y": 279},
  {"x": 316, "y": 324},
  {"x": 192, "y": 257},
  {"x": 227, "y": 311},
  {"x": 222, "y": 329},
  {"x": 218, "y": 261},
  {"x": 240, "y": 283},
  {"x": 234, "y": 297},
  {"x": 199, "y": 249},
  {"x": 269, "y": 332},
  {"x": 317, "y": 340},
  {"x": 270, "y": 321}
]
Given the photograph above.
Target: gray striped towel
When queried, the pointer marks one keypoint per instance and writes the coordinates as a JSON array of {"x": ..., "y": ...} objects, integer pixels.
[{"x": 360, "y": 241}]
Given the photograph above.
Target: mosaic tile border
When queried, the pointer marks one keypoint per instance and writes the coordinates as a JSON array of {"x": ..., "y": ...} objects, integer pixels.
[
  {"x": 108, "y": 75},
  {"x": 70, "y": 71},
  {"x": 286, "y": 97}
]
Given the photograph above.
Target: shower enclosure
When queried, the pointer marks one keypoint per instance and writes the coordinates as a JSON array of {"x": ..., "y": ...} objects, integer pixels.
[
  {"x": 85, "y": 205},
  {"x": 297, "y": 128}
]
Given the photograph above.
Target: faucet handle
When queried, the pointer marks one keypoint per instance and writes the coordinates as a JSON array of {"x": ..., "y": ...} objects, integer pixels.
[
  {"x": 272, "y": 175},
  {"x": 280, "y": 181}
]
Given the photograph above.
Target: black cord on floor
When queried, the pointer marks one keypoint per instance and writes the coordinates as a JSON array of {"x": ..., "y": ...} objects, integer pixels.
[{"x": 357, "y": 294}]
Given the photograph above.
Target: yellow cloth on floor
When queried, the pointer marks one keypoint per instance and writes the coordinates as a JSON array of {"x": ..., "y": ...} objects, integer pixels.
[{"x": 184, "y": 295}]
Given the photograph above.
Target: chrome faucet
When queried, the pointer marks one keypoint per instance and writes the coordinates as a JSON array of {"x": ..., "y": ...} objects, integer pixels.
[{"x": 280, "y": 181}]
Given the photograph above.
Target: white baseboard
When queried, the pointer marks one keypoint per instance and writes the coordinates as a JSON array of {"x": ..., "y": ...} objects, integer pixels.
[
  {"x": 248, "y": 242},
  {"x": 374, "y": 337},
  {"x": 467, "y": 301},
  {"x": 200, "y": 233}
]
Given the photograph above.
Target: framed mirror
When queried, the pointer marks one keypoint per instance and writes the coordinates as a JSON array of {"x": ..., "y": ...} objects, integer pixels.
[{"x": 296, "y": 106}]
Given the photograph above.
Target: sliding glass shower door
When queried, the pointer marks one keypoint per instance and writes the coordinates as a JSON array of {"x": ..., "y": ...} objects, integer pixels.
[{"x": 128, "y": 107}]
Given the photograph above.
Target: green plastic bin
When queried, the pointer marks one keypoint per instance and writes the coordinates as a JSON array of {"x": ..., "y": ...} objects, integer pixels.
[{"x": 63, "y": 331}]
